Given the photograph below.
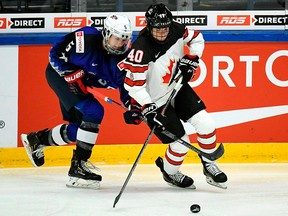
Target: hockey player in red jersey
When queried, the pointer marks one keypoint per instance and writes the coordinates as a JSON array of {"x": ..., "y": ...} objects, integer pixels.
[
  {"x": 156, "y": 58},
  {"x": 85, "y": 57}
]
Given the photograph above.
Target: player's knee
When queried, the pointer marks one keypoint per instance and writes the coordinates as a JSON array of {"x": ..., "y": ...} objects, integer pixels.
[
  {"x": 72, "y": 129},
  {"x": 92, "y": 111},
  {"x": 203, "y": 123}
]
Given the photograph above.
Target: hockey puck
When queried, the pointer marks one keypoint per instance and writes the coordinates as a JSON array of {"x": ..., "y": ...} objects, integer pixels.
[{"x": 195, "y": 208}]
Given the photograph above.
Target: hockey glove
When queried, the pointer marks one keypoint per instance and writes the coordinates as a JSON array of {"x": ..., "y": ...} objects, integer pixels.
[
  {"x": 133, "y": 115},
  {"x": 149, "y": 111},
  {"x": 77, "y": 82},
  {"x": 187, "y": 66}
]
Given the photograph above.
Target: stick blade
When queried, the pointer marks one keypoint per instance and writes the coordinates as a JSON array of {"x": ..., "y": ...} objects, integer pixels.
[
  {"x": 218, "y": 153},
  {"x": 116, "y": 200}
]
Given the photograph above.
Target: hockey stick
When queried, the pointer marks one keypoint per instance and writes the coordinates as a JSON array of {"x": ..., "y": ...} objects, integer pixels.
[
  {"x": 134, "y": 166},
  {"x": 96, "y": 94},
  {"x": 211, "y": 156},
  {"x": 175, "y": 90}
]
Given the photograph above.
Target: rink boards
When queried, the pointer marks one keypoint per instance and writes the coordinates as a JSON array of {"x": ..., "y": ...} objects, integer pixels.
[
  {"x": 126, "y": 154},
  {"x": 243, "y": 83}
]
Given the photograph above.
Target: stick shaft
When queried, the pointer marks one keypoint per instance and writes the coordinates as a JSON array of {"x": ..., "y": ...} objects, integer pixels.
[
  {"x": 212, "y": 156},
  {"x": 176, "y": 88},
  {"x": 97, "y": 94},
  {"x": 134, "y": 166}
]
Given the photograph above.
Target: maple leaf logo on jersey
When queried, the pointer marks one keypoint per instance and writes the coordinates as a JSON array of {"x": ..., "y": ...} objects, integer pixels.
[{"x": 166, "y": 78}]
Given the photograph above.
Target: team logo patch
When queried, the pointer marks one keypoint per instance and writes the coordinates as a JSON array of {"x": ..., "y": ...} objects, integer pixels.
[
  {"x": 131, "y": 76},
  {"x": 79, "y": 37}
]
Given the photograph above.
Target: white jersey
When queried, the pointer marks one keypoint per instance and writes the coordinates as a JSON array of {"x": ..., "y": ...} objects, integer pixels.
[{"x": 151, "y": 66}]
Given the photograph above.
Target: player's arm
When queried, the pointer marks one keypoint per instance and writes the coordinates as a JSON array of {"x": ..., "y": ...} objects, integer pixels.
[
  {"x": 189, "y": 63},
  {"x": 60, "y": 57},
  {"x": 136, "y": 76},
  {"x": 133, "y": 113},
  {"x": 69, "y": 53},
  {"x": 194, "y": 41},
  {"x": 61, "y": 53},
  {"x": 135, "y": 84}
]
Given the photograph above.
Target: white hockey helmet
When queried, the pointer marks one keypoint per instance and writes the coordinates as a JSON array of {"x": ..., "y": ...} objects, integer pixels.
[{"x": 119, "y": 26}]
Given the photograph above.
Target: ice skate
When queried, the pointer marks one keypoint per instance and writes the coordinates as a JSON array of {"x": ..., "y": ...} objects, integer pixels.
[
  {"x": 214, "y": 176},
  {"x": 82, "y": 176},
  {"x": 178, "y": 179},
  {"x": 33, "y": 147}
]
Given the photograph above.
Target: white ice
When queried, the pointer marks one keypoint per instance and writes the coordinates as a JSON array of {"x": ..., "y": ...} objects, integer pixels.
[{"x": 253, "y": 190}]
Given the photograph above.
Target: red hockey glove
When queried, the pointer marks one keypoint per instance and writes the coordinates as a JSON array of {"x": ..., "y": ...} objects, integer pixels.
[
  {"x": 188, "y": 65},
  {"x": 133, "y": 115},
  {"x": 77, "y": 82},
  {"x": 149, "y": 111}
]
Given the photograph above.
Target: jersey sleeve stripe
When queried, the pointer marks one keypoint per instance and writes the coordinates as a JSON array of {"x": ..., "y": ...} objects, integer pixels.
[
  {"x": 195, "y": 34},
  {"x": 186, "y": 34},
  {"x": 131, "y": 83},
  {"x": 133, "y": 68}
]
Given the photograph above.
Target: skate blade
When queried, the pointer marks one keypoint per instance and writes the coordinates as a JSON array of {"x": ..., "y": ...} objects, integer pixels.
[
  {"x": 216, "y": 184},
  {"x": 27, "y": 148},
  {"x": 192, "y": 187},
  {"x": 75, "y": 182}
]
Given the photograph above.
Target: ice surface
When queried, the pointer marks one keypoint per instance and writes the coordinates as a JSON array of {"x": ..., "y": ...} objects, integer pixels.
[{"x": 253, "y": 190}]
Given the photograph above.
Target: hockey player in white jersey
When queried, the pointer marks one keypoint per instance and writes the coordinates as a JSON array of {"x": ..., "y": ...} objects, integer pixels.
[{"x": 156, "y": 58}]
